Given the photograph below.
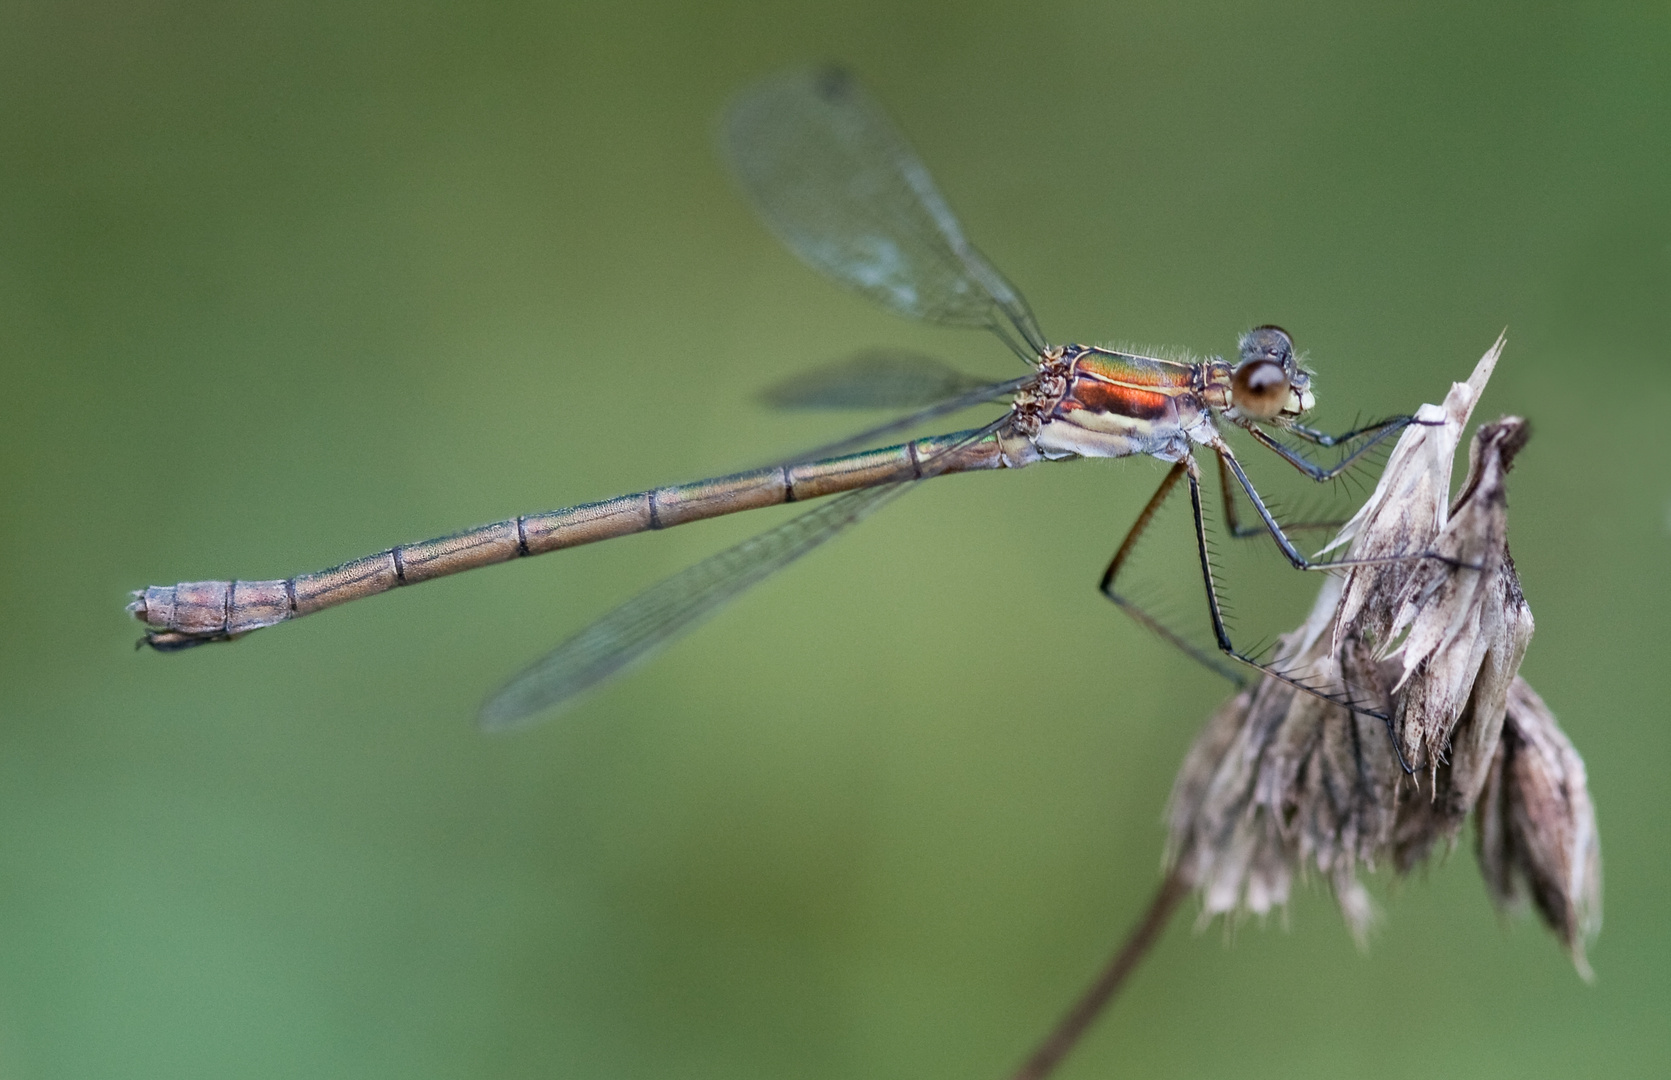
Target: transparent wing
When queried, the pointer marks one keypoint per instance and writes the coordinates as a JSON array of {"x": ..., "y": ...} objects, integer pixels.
[
  {"x": 873, "y": 379},
  {"x": 837, "y": 182},
  {"x": 980, "y": 395},
  {"x": 651, "y": 619},
  {"x": 648, "y": 621}
]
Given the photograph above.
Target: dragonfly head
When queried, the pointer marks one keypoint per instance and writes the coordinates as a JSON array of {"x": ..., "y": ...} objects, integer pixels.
[{"x": 1268, "y": 383}]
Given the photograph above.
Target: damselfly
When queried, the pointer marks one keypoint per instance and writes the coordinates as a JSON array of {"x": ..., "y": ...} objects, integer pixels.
[{"x": 833, "y": 177}]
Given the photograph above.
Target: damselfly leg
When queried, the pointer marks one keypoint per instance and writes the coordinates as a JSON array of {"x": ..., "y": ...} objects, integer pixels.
[
  {"x": 1287, "y": 546},
  {"x": 1201, "y": 656},
  {"x": 1372, "y": 434},
  {"x": 1229, "y": 467}
]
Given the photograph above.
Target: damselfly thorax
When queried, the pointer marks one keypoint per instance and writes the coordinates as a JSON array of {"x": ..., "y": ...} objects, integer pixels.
[
  {"x": 1095, "y": 402},
  {"x": 831, "y": 175}
]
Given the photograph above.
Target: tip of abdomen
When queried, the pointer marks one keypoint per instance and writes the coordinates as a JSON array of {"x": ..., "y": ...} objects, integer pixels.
[{"x": 197, "y": 612}]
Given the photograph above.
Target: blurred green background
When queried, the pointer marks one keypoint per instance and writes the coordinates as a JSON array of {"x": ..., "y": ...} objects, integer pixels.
[{"x": 284, "y": 284}]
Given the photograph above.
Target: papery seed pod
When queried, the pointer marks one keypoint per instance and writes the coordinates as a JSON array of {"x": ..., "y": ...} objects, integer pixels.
[
  {"x": 1463, "y": 626},
  {"x": 1462, "y": 633},
  {"x": 1536, "y": 827},
  {"x": 1282, "y": 782}
]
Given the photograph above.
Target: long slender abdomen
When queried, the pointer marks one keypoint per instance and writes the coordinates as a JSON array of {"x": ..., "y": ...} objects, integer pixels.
[{"x": 196, "y": 612}]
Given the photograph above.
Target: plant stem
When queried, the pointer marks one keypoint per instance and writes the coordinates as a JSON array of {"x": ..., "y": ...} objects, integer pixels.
[{"x": 1078, "y": 1019}]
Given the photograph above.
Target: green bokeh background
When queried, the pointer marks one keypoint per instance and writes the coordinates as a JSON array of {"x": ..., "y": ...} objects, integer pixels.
[{"x": 283, "y": 284}]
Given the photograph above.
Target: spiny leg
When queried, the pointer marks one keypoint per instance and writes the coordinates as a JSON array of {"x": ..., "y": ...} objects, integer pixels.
[
  {"x": 1373, "y": 435},
  {"x": 1128, "y": 546},
  {"x": 1130, "y": 607},
  {"x": 1233, "y": 518},
  {"x": 1380, "y": 428},
  {"x": 1222, "y": 634},
  {"x": 1228, "y": 459}
]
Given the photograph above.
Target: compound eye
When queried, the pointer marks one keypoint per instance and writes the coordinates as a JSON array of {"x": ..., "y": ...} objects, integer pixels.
[
  {"x": 1270, "y": 342},
  {"x": 1259, "y": 389}
]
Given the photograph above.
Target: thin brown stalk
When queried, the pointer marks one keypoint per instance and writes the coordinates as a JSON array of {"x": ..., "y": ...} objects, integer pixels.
[{"x": 1073, "y": 1025}]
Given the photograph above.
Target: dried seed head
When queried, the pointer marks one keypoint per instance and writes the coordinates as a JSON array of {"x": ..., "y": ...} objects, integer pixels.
[
  {"x": 1536, "y": 828},
  {"x": 1282, "y": 782}
]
